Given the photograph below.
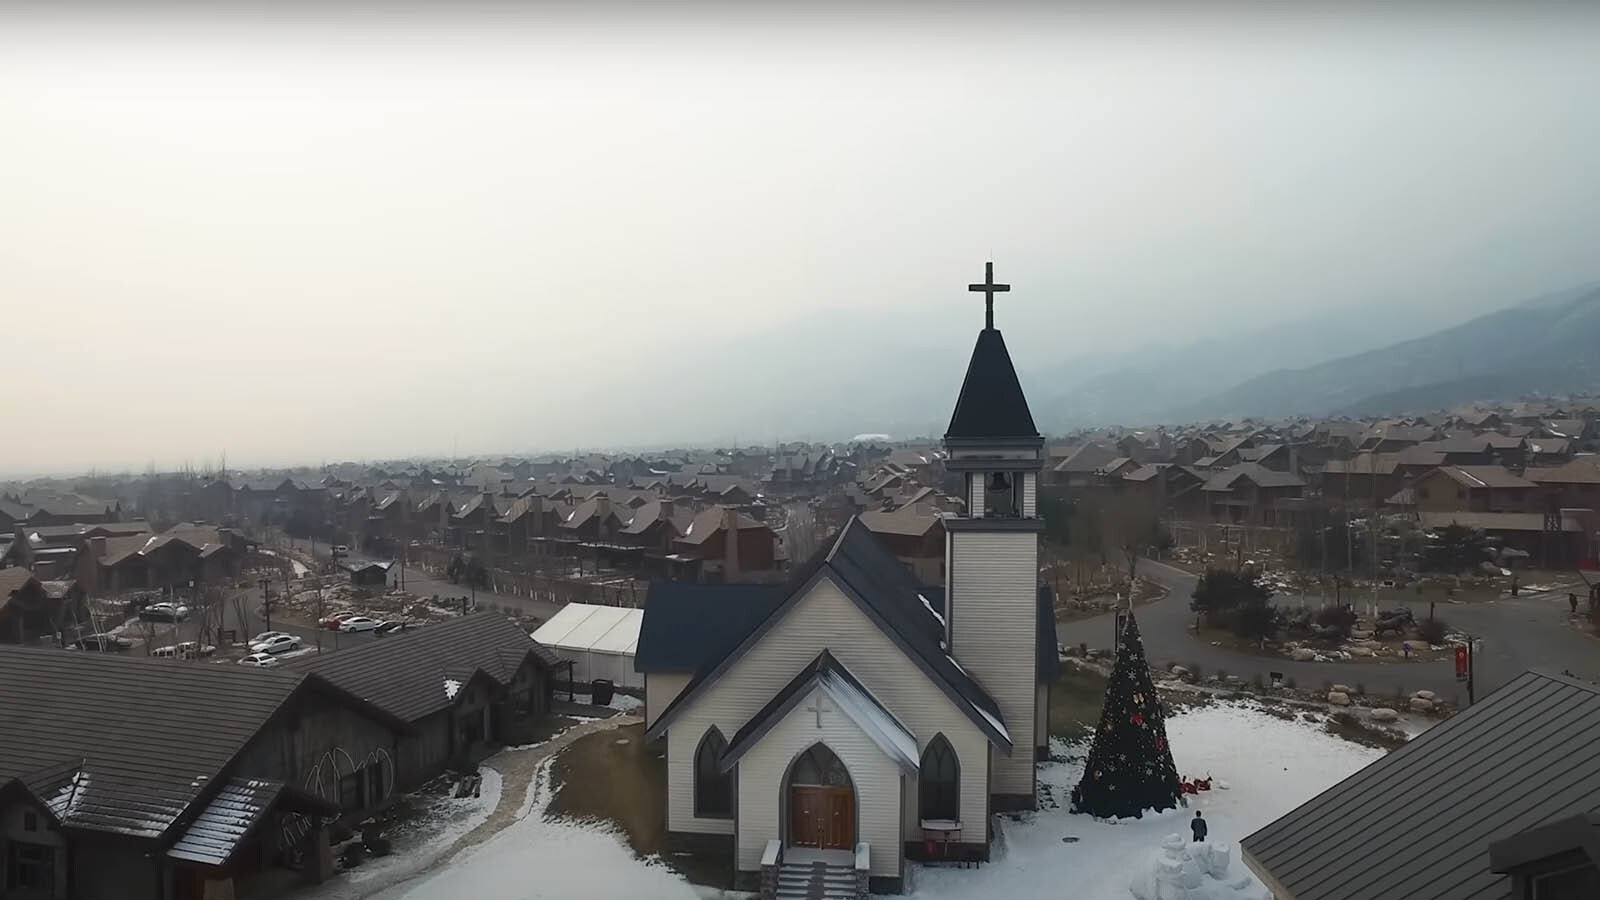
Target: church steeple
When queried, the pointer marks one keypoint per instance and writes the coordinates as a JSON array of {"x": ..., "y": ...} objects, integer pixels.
[
  {"x": 992, "y": 549},
  {"x": 991, "y": 404}
]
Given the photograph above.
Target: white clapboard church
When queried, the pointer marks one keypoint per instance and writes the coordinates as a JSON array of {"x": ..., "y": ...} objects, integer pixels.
[{"x": 855, "y": 716}]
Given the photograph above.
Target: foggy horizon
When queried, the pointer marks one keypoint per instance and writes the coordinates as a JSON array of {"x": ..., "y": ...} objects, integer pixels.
[{"x": 372, "y": 236}]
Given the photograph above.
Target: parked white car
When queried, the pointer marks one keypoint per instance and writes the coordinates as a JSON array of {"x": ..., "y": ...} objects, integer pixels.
[
  {"x": 282, "y": 643},
  {"x": 184, "y": 650},
  {"x": 164, "y": 612},
  {"x": 360, "y": 623},
  {"x": 262, "y": 660},
  {"x": 267, "y": 636}
]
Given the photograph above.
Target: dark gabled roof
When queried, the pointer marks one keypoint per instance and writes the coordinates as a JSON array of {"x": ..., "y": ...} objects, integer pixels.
[
  {"x": 848, "y": 694},
  {"x": 691, "y": 627},
  {"x": 126, "y": 744},
  {"x": 991, "y": 404},
  {"x": 405, "y": 674},
  {"x": 1048, "y": 655},
  {"x": 1419, "y": 821},
  {"x": 888, "y": 594}
]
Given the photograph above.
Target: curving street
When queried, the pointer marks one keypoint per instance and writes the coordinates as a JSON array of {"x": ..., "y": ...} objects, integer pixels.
[{"x": 1525, "y": 633}]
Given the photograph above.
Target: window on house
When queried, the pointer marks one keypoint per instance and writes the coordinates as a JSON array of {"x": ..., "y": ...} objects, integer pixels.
[
  {"x": 375, "y": 792},
  {"x": 1578, "y": 883},
  {"x": 30, "y": 821},
  {"x": 350, "y": 798},
  {"x": 31, "y": 867},
  {"x": 939, "y": 781},
  {"x": 713, "y": 788}
]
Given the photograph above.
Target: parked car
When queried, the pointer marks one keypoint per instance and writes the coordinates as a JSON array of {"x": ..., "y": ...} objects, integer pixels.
[
  {"x": 267, "y": 636},
  {"x": 281, "y": 643},
  {"x": 184, "y": 650},
  {"x": 263, "y": 660},
  {"x": 395, "y": 626},
  {"x": 360, "y": 623},
  {"x": 332, "y": 622},
  {"x": 103, "y": 642},
  {"x": 342, "y": 550},
  {"x": 164, "y": 612}
]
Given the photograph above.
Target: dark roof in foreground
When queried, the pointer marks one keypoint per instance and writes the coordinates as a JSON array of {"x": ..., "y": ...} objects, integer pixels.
[
  {"x": 991, "y": 404},
  {"x": 887, "y": 593},
  {"x": 1418, "y": 823},
  {"x": 690, "y": 627},
  {"x": 126, "y": 744},
  {"x": 406, "y": 674}
]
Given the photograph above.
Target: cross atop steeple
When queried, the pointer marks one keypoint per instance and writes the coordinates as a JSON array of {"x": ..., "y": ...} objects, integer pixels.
[{"x": 988, "y": 289}]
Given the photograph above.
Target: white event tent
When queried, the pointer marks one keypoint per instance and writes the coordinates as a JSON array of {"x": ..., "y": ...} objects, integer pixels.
[{"x": 599, "y": 640}]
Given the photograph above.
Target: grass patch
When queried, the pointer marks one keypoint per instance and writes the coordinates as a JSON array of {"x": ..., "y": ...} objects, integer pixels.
[
  {"x": 614, "y": 778},
  {"x": 1078, "y": 694},
  {"x": 1075, "y": 701},
  {"x": 1358, "y": 731}
]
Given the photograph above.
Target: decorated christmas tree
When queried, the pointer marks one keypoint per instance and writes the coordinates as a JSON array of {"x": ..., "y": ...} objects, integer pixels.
[{"x": 1130, "y": 765}]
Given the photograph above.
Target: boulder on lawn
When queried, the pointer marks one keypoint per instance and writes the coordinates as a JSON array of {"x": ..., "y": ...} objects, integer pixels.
[
  {"x": 1419, "y": 704},
  {"x": 1384, "y": 714},
  {"x": 1180, "y": 671},
  {"x": 1342, "y": 688},
  {"x": 1361, "y": 634},
  {"x": 1302, "y": 654},
  {"x": 1360, "y": 651},
  {"x": 1426, "y": 695},
  {"x": 1339, "y": 698}
]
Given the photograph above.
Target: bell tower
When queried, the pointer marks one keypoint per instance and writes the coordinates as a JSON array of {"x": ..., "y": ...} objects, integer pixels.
[{"x": 992, "y": 551}]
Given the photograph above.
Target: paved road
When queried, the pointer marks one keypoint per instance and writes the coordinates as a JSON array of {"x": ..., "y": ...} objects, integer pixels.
[{"x": 1520, "y": 634}]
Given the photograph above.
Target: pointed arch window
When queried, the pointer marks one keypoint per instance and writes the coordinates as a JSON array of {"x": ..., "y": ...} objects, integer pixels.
[
  {"x": 713, "y": 788},
  {"x": 939, "y": 782}
]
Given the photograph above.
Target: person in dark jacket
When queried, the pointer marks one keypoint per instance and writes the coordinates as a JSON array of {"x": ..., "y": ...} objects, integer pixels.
[{"x": 1198, "y": 826}]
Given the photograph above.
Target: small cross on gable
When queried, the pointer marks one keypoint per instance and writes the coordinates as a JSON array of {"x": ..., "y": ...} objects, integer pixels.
[
  {"x": 988, "y": 289},
  {"x": 819, "y": 706}
]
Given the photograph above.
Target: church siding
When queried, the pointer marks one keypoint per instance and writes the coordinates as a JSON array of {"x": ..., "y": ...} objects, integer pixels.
[
  {"x": 1030, "y": 494},
  {"x": 875, "y": 778},
  {"x": 994, "y": 579},
  {"x": 660, "y": 689},
  {"x": 826, "y": 619}
]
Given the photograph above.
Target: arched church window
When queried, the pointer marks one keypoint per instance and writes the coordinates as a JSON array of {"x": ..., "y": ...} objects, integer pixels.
[
  {"x": 939, "y": 783},
  {"x": 818, "y": 766},
  {"x": 713, "y": 788}
]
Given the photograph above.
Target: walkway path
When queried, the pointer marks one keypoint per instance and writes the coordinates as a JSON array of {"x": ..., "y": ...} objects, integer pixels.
[
  {"x": 518, "y": 768},
  {"x": 1517, "y": 634}
]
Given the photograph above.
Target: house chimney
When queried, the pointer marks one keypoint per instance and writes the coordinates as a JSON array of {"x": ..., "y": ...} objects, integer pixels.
[
  {"x": 97, "y": 547},
  {"x": 730, "y": 534},
  {"x": 602, "y": 506}
]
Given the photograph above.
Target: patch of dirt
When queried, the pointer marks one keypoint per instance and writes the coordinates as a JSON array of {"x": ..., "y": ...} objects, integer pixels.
[{"x": 615, "y": 778}]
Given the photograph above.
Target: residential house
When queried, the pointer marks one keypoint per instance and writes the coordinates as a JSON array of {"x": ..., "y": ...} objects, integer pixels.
[
  {"x": 1499, "y": 802},
  {"x": 1574, "y": 485},
  {"x": 31, "y": 609},
  {"x": 1474, "y": 488},
  {"x": 1250, "y": 494},
  {"x": 463, "y": 687},
  {"x": 729, "y": 545},
  {"x": 130, "y": 778},
  {"x": 1082, "y": 469},
  {"x": 915, "y": 534}
]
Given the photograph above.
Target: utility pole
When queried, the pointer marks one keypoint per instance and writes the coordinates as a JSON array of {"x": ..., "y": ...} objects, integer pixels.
[{"x": 266, "y": 602}]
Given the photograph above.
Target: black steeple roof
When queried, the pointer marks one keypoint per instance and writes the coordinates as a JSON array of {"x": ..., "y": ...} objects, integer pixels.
[{"x": 991, "y": 404}]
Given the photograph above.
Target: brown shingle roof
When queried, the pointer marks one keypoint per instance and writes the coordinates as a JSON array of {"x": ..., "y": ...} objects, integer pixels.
[{"x": 1476, "y": 477}]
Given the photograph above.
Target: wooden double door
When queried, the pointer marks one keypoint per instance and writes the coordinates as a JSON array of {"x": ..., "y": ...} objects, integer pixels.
[{"x": 822, "y": 817}]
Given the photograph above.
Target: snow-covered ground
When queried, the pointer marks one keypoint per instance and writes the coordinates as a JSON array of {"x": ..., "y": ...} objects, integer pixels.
[
  {"x": 536, "y": 859},
  {"x": 1269, "y": 764}
]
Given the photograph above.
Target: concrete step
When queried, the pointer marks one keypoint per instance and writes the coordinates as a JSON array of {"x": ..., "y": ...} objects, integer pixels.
[{"x": 810, "y": 881}]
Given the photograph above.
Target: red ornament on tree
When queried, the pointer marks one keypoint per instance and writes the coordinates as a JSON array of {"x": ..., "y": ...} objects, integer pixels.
[{"x": 1138, "y": 719}]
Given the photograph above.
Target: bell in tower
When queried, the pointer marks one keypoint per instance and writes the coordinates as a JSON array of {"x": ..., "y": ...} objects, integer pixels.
[{"x": 1000, "y": 497}]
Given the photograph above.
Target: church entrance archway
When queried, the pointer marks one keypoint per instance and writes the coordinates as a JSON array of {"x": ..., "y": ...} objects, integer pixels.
[{"x": 822, "y": 801}]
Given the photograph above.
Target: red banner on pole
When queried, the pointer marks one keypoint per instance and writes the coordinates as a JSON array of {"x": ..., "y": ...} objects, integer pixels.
[{"x": 1461, "y": 660}]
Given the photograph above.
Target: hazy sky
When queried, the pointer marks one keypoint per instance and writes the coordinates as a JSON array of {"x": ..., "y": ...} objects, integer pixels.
[{"x": 376, "y": 234}]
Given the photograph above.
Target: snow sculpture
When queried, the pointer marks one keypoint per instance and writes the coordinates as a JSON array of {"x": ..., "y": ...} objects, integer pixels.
[{"x": 1198, "y": 871}]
